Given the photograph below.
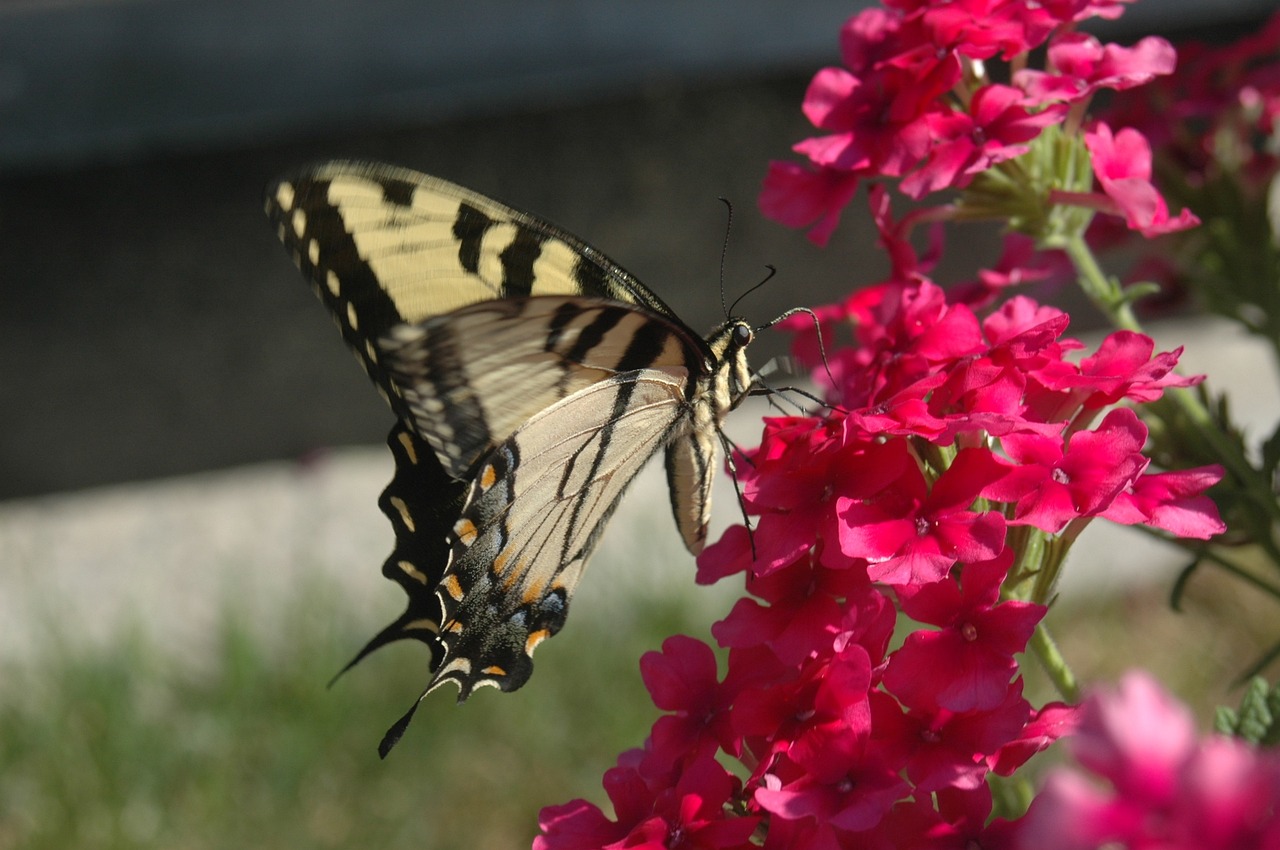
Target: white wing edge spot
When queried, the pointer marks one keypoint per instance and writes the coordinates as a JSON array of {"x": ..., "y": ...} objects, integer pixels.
[
  {"x": 405, "y": 333},
  {"x": 413, "y": 572},
  {"x": 284, "y": 196},
  {"x": 458, "y": 665}
]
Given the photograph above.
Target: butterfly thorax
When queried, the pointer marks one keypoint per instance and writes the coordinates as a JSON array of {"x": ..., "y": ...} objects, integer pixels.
[{"x": 730, "y": 379}]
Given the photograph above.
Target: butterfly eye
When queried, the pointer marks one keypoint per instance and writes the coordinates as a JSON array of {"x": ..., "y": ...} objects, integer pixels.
[{"x": 742, "y": 335}]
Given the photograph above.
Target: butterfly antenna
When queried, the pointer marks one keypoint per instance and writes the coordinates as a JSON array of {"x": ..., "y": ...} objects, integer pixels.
[
  {"x": 724, "y": 250},
  {"x": 772, "y": 271},
  {"x": 730, "y": 447}
]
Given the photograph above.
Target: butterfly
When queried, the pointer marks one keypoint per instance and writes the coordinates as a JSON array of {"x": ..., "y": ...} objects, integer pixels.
[{"x": 531, "y": 378}]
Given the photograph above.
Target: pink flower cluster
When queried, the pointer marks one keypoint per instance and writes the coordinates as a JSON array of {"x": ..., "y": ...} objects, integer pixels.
[
  {"x": 913, "y": 101},
  {"x": 1153, "y": 784},
  {"x": 1214, "y": 132},
  {"x": 1220, "y": 109},
  {"x": 891, "y": 514},
  {"x": 933, "y": 370}
]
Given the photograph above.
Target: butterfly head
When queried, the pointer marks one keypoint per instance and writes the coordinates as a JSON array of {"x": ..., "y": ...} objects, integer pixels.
[{"x": 732, "y": 378}]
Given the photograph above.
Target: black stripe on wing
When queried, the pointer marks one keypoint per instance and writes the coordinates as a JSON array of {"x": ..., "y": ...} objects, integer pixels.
[
  {"x": 318, "y": 240},
  {"x": 593, "y": 273}
]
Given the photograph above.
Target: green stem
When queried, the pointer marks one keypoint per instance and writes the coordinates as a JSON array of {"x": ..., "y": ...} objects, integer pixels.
[
  {"x": 1055, "y": 666},
  {"x": 1102, "y": 290}
]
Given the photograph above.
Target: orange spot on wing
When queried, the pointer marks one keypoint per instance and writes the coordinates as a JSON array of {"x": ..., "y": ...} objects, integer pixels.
[
  {"x": 535, "y": 638},
  {"x": 533, "y": 593},
  {"x": 452, "y": 587},
  {"x": 499, "y": 570},
  {"x": 466, "y": 531}
]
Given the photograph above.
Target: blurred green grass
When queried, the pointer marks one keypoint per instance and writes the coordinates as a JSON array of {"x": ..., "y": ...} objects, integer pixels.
[
  {"x": 138, "y": 743},
  {"x": 132, "y": 744}
]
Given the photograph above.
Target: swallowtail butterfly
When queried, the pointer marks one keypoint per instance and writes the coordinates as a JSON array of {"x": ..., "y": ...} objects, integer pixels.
[{"x": 531, "y": 378}]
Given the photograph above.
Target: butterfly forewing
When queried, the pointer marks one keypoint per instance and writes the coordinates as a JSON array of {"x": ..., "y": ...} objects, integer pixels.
[
  {"x": 430, "y": 246},
  {"x": 532, "y": 378}
]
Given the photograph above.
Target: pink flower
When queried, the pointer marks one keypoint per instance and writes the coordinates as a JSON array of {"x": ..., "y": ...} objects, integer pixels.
[
  {"x": 689, "y": 814},
  {"x": 965, "y": 665},
  {"x": 829, "y": 774},
  {"x": 682, "y": 679},
  {"x": 949, "y": 749},
  {"x": 981, "y": 29},
  {"x": 821, "y": 714},
  {"x": 959, "y": 822},
  {"x": 1164, "y": 788},
  {"x": 1082, "y": 65},
  {"x": 866, "y": 137},
  {"x": 1122, "y": 164},
  {"x": 1020, "y": 262},
  {"x": 1123, "y": 367},
  {"x": 806, "y": 197},
  {"x": 794, "y": 482},
  {"x": 1020, "y": 314},
  {"x": 912, "y": 536},
  {"x": 907, "y": 266},
  {"x": 1174, "y": 501},
  {"x": 1046, "y": 726},
  {"x": 580, "y": 825},
  {"x": 804, "y": 612},
  {"x": 1079, "y": 10},
  {"x": 1053, "y": 485},
  {"x": 996, "y": 128}
]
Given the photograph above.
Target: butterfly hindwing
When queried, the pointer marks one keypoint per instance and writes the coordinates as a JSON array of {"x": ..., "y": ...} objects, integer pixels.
[
  {"x": 532, "y": 517},
  {"x": 422, "y": 503},
  {"x": 534, "y": 514},
  {"x": 532, "y": 378}
]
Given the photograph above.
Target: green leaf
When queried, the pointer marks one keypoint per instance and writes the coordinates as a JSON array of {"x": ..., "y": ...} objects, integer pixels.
[
  {"x": 1225, "y": 720},
  {"x": 1256, "y": 719}
]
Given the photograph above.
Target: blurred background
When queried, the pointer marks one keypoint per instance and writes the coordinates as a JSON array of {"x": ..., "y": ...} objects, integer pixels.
[{"x": 189, "y": 460}]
